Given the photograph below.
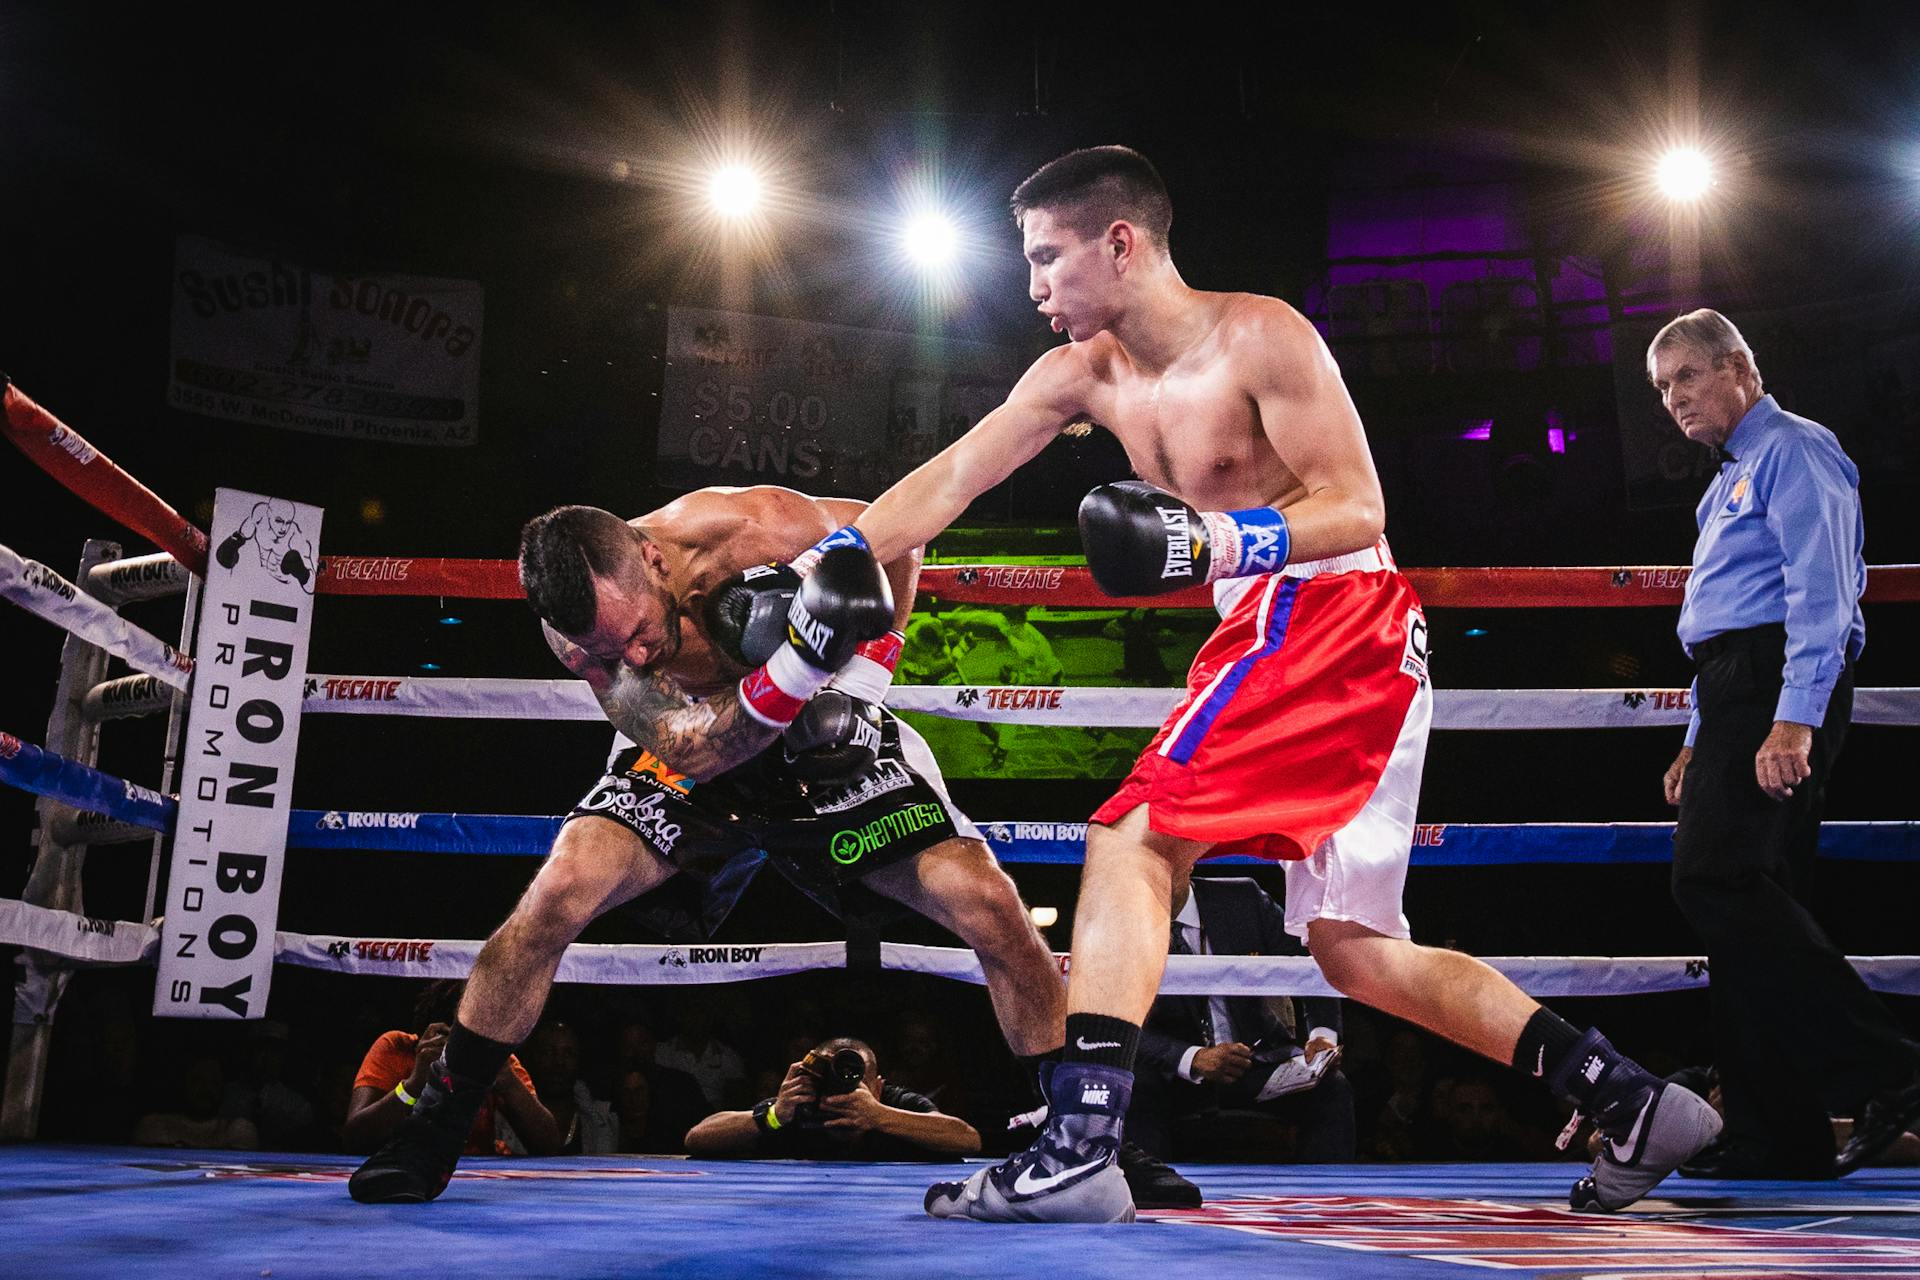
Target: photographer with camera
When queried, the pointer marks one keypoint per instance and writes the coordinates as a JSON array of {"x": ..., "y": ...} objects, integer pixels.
[{"x": 834, "y": 1105}]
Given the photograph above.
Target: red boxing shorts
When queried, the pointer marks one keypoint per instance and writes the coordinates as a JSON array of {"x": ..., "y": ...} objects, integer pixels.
[{"x": 1295, "y": 708}]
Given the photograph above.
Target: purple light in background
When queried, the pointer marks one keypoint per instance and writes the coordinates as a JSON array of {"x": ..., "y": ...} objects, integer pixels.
[
  {"x": 1480, "y": 431},
  {"x": 1556, "y": 440}
]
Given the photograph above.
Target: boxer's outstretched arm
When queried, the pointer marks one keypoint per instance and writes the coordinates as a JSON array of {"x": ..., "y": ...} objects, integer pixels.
[
  {"x": 903, "y": 570},
  {"x": 1311, "y": 423},
  {"x": 1049, "y": 396},
  {"x": 700, "y": 739}
]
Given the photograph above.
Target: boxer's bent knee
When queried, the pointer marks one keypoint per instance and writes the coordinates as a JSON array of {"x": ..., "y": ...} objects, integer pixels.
[
  {"x": 959, "y": 883},
  {"x": 594, "y": 864},
  {"x": 1353, "y": 958}
]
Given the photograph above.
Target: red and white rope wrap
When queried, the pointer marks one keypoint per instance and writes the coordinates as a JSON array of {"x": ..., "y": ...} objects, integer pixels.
[{"x": 91, "y": 476}]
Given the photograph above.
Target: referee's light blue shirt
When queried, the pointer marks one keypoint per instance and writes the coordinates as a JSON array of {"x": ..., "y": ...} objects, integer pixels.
[{"x": 1781, "y": 540}]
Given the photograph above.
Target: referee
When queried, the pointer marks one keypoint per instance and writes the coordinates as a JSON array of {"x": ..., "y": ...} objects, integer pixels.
[{"x": 1772, "y": 622}]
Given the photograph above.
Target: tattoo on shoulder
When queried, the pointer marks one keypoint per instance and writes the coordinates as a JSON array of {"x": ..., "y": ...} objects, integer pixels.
[{"x": 702, "y": 738}]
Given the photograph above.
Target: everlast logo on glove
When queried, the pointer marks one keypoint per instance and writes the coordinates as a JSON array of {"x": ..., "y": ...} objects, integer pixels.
[
  {"x": 1179, "y": 542},
  {"x": 808, "y": 630}
]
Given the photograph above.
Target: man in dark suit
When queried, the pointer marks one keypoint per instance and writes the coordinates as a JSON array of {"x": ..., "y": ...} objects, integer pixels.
[{"x": 1206, "y": 1053}]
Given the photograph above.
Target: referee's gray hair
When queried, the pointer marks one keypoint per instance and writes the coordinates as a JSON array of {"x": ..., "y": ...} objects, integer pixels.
[{"x": 1706, "y": 331}]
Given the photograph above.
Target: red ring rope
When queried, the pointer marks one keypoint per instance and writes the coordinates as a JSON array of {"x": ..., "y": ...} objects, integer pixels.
[{"x": 92, "y": 476}]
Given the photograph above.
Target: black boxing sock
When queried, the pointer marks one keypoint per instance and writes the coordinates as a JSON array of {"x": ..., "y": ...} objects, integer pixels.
[
  {"x": 1544, "y": 1042},
  {"x": 1104, "y": 1041},
  {"x": 472, "y": 1060}
]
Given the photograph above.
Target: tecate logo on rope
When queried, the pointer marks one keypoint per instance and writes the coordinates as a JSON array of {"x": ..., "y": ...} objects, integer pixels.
[
  {"x": 1658, "y": 699},
  {"x": 368, "y": 568},
  {"x": 397, "y": 951},
  {"x": 360, "y": 690},
  {"x": 1024, "y": 699},
  {"x": 1012, "y": 577}
]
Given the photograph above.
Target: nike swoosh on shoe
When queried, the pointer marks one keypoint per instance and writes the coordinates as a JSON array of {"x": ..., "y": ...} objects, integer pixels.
[{"x": 1028, "y": 1185}]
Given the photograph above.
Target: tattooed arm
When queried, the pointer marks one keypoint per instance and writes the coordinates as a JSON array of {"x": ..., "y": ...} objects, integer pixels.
[{"x": 702, "y": 739}]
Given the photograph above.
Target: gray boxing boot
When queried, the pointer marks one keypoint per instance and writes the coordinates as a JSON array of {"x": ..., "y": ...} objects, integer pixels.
[
  {"x": 1070, "y": 1173},
  {"x": 1648, "y": 1126}
]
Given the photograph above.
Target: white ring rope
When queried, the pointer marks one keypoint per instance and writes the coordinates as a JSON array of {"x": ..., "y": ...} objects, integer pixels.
[
  {"x": 457, "y": 698},
  {"x": 45, "y": 594},
  {"x": 121, "y": 942}
]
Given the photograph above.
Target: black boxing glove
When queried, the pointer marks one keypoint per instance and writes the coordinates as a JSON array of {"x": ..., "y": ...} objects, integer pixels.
[
  {"x": 1143, "y": 541},
  {"x": 228, "y": 554},
  {"x": 747, "y": 614},
  {"x": 294, "y": 567},
  {"x": 835, "y": 737},
  {"x": 844, "y": 601}
]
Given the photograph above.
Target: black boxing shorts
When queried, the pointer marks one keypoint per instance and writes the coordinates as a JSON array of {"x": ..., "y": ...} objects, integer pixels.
[{"x": 819, "y": 836}]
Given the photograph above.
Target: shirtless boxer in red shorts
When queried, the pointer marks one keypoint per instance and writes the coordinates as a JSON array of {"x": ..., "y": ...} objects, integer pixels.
[{"x": 1305, "y": 722}]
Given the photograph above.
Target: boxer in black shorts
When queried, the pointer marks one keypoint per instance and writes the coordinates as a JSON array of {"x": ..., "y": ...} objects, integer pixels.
[{"x": 747, "y": 691}]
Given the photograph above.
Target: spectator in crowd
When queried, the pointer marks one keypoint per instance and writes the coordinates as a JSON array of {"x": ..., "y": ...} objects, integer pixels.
[
  {"x": 281, "y": 1112},
  {"x": 587, "y": 1125},
  {"x": 834, "y": 1105},
  {"x": 655, "y": 1105},
  {"x": 923, "y": 1062},
  {"x": 697, "y": 1049},
  {"x": 197, "y": 1122},
  {"x": 1399, "y": 1127},
  {"x": 1475, "y": 1124},
  {"x": 396, "y": 1069}
]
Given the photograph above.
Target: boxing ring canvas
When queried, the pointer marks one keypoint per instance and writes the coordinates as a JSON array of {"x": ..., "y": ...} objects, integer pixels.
[{"x": 97, "y": 1211}]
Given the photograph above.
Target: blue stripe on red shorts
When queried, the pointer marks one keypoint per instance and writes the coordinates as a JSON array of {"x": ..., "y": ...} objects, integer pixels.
[{"x": 1280, "y": 612}]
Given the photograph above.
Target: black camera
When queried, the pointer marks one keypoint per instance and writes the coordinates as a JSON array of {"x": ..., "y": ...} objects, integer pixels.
[{"x": 835, "y": 1073}]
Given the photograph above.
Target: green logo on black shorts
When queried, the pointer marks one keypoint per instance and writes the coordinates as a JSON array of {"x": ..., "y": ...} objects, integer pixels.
[{"x": 849, "y": 846}]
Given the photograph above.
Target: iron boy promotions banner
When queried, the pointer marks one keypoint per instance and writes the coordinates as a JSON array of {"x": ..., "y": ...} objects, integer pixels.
[
  {"x": 236, "y": 768},
  {"x": 368, "y": 356},
  {"x": 825, "y": 408}
]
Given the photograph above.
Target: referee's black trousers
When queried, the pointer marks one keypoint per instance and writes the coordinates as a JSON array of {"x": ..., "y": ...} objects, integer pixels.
[{"x": 1796, "y": 1031}]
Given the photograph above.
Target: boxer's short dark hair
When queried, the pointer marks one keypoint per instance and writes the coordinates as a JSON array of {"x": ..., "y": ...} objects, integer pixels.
[
  {"x": 1094, "y": 187},
  {"x": 560, "y": 552}
]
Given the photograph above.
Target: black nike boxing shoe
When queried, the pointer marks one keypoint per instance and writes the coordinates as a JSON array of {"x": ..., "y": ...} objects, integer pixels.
[{"x": 416, "y": 1163}]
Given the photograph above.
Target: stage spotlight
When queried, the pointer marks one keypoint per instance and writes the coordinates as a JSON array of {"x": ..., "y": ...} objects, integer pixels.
[
  {"x": 1684, "y": 173},
  {"x": 931, "y": 241},
  {"x": 734, "y": 191}
]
